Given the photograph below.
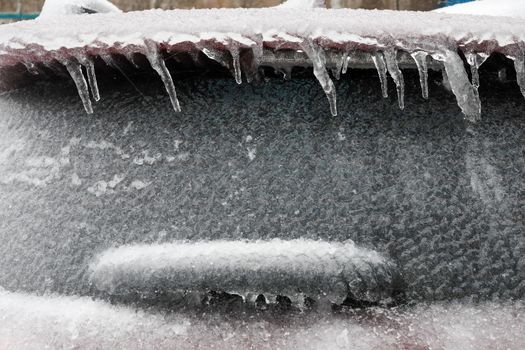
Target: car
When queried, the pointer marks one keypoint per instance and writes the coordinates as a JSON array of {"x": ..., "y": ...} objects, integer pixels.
[{"x": 262, "y": 178}]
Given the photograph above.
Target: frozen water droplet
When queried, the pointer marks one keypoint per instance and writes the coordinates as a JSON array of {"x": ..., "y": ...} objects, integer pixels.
[
  {"x": 466, "y": 94},
  {"x": 317, "y": 56},
  {"x": 475, "y": 60},
  {"x": 379, "y": 62},
  {"x": 420, "y": 58},
  {"x": 397, "y": 75},
  {"x": 519, "y": 66},
  {"x": 88, "y": 63},
  {"x": 236, "y": 59},
  {"x": 157, "y": 63},
  {"x": 75, "y": 71}
]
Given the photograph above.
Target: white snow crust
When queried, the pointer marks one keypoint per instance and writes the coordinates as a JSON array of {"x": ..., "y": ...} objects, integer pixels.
[
  {"x": 274, "y": 267},
  {"x": 52, "y": 322},
  {"x": 508, "y": 8},
  {"x": 368, "y": 27}
]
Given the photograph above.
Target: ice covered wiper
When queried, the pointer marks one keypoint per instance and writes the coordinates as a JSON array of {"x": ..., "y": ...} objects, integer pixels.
[{"x": 317, "y": 269}]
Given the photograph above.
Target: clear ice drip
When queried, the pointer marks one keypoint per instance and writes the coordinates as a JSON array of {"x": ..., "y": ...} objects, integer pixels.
[
  {"x": 223, "y": 59},
  {"x": 216, "y": 55},
  {"x": 157, "y": 63},
  {"x": 379, "y": 62},
  {"x": 397, "y": 75},
  {"x": 317, "y": 56},
  {"x": 420, "y": 58},
  {"x": 88, "y": 63},
  {"x": 258, "y": 50},
  {"x": 340, "y": 59},
  {"x": 466, "y": 94},
  {"x": 345, "y": 61},
  {"x": 236, "y": 61},
  {"x": 519, "y": 66},
  {"x": 475, "y": 60},
  {"x": 75, "y": 71},
  {"x": 252, "y": 72}
]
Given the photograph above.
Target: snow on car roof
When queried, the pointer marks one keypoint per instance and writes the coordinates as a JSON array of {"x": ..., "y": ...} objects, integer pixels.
[
  {"x": 221, "y": 34},
  {"x": 366, "y": 27}
]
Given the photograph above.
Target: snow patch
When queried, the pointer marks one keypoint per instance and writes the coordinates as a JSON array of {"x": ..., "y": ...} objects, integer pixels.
[{"x": 27, "y": 321}]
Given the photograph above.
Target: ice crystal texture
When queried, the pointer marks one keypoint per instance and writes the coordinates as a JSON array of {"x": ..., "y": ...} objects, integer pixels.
[{"x": 327, "y": 40}]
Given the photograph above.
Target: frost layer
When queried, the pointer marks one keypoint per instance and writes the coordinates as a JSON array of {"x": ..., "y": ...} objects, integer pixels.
[
  {"x": 315, "y": 268},
  {"x": 245, "y": 39}
]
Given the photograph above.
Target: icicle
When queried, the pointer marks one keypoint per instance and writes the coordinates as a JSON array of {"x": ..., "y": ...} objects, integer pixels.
[
  {"x": 157, "y": 63},
  {"x": 88, "y": 63},
  {"x": 444, "y": 80},
  {"x": 339, "y": 59},
  {"x": 216, "y": 55},
  {"x": 317, "y": 56},
  {"x": 420, "y": 58},
  {"x": 519, "y": 66},
  {"x": 236, "y": 58},
  {"x": 379, "y": 62},
  {"x": 466, "y": 94},
  {"x": 258, "y": 49},
  {"x": 75, "y": 70},
  {"x": 345, "y": 60},
  {"x": 92, "y": 79},
  {"x": 252, "y": 71},
  {"x": 397, "y": 75},
  {"x": 475, "y": 60}
]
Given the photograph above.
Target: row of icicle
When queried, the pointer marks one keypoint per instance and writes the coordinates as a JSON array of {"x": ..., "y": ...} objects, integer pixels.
[{"x": 385, "y": 61}]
